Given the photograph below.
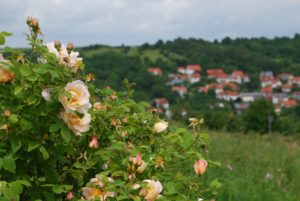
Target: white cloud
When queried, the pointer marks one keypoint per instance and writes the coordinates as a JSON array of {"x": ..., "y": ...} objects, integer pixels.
[{"x": 136, "y": 21}]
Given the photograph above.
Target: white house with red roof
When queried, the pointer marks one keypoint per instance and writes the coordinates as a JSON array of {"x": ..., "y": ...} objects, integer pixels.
[
  {"x": 155, "y": 71},
  {"x": 194, "y": 78},
  {"x": 212, "y": 73},
  {"x": 193, "y": 68},
  {"x": 287, "y": 88},
  {"x": 161, "y": 103},
  {"x": 240, "y": 77},
  {"x": 296, "y": 80},
  {"x": 181, "y": 90},
  {"x": 228, "y": 95}
]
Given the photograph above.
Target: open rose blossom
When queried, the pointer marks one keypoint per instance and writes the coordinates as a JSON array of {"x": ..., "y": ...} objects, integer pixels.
[
  {"x": 6, "y": 76},
  {"x": 75, "y": 123},
  {"x": 69, "y": 60},
  {"x": 92, "y": 193},
  {"x": 154, "y": 188},
  {"x": 160, "y": 126},
  {"x": 200, "y": 166},
  {"x": 79, "y": 97}
]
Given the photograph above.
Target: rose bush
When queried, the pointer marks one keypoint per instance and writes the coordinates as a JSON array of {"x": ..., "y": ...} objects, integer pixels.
[{"x": 62, "y": 138}]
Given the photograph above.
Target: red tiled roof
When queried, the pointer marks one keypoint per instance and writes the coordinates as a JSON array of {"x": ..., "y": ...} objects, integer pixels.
[
  {"x": 161, "y": 100},
  {"x": 289, "y": 103},
  {"x": 287, "y": 86},
  {"x": 194, "y": 67},
  {"x": 196, "y": 75},
  {"x": 156, "y": 70},
  {"x": 179, "y": 88},
  {"x": 267, "y": 89},
  {"x": 239, "y": 73},
  {"x": 214, "y": 72}
]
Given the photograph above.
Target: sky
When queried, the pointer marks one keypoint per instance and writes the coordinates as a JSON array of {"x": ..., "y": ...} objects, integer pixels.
[{"x": 134, "y": 22}]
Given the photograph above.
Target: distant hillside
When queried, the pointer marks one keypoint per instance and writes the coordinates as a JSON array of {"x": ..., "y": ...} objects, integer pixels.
[{"x": 251, "y": 56}]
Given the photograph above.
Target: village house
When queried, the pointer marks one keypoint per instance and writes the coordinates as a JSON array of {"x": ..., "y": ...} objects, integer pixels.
[
  {"x": 193, "y": 68},
  {"x": 296, "y": 80},
  {"x": 155, "y": 71},
  {"x": 287, "y": 88},
  {"x": 222, "y": 78},
  {"x": 177, "y": 79},
  {"x": 181, "y": 90},
  {"x": 181, "y": 69},
  {"x": 228, "y": 95},
  {"x": 212, "y": 73},
  {"x": 277, "y": 98},
  {"x": 288, "y": 103},
  {"x": 250, "y": 97},
  {"x": 240, "y": 107},
  {"x": 162, "y": 103},
  {"x": 194, "y": 78},
  {"x": 266, "y": 90},
  {"x": 266, "y": 74},
  {"x": 296, "y": 95},
  {"x": 240, "y": 77},
  {"x": 285, "y": 77}
]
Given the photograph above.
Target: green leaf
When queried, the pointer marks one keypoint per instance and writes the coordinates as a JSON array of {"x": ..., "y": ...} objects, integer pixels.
[
  {"x": 15, "y": 188},
  {"x": 18, "y": 90},
  {"x": 3, "y": 34},
  {"x": 25, "y": 70},
  {"x": 13, "y": 119},
  {"x": 58, "y": 189},
  {"x": 215, "y": 184},
  {"x": 33, "y": 146},
  {"x": 15, "y": 145},
  {"x": 44, "y": 152},
  {"x": 54, "y": 127},
  {"x": 187, "y": 140},
  {"x": 9, "y": 163},
  {"x": 32, "y": 77},
  {"x": 66, "y": 134}
]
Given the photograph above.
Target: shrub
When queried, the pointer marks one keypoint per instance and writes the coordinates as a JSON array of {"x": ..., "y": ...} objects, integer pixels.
[{"x": 63, "y": 138}]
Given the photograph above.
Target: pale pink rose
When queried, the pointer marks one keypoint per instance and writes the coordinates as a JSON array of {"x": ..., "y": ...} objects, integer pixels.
[
  {"x": 79, "y": 99},
  {"x": 160, "y": 126},
  {"x": 200, "y": 166},
  {"x": 75, "y": 123},
  {"x": 154, "y": 188}
]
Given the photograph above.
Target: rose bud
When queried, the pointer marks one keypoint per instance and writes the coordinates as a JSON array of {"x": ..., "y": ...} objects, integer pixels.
[
  {"x": 200, "y": 166},
  {"x": 7, "y": 113},
  {"x": 70, "y": 195},
  {"x": 70, "y": 47},
  {"x": 57, "y": 45},
  {"x": 94, "y": 143}
]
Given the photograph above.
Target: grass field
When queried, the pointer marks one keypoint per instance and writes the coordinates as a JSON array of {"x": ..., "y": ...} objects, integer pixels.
[{"x": 256, "y": 167}]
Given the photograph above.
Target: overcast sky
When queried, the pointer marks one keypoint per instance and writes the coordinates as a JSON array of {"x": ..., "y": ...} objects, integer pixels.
[{"x": 133, "y": 22}]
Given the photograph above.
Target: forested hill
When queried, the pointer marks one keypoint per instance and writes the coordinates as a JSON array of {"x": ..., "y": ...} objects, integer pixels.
[{"x": 113, "y": 64}]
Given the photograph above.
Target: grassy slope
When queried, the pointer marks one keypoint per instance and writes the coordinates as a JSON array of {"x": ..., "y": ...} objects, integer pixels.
[
  {"x": 252, "y": 157},
  {"x": 152, "y": 54}
]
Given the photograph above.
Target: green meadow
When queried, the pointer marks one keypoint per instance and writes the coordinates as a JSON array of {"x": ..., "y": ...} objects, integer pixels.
[{"x": 256, "y": 167}]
